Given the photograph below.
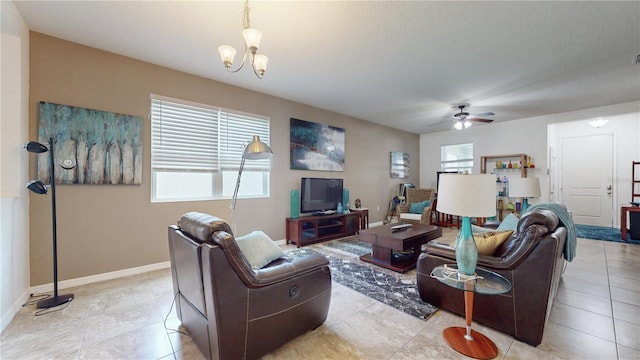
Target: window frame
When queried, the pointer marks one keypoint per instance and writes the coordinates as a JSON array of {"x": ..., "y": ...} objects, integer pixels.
[
  {"x": 467, "y": 168},
  {"x": 227, "y": 154}
]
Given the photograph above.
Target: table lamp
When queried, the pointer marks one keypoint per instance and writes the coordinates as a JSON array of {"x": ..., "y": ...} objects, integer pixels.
[
  {"x": 467, "y": 196},
  {"x": 524, "y": 188}
]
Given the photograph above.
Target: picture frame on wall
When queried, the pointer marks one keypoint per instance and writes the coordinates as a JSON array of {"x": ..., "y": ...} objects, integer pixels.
[
  {"x": 399, "y": 165},
  {"x": 316, "y": 146}
]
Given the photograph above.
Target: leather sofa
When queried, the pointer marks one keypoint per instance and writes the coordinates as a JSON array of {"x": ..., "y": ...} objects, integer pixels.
[
  {"x": 531, "y": 259},
  {"x": 232, "y": 311}
]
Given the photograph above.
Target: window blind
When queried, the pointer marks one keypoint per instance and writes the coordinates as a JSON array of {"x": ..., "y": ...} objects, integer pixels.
[
  {"x": 236, "y": 131},
  {"x": 183, "y": 136}
]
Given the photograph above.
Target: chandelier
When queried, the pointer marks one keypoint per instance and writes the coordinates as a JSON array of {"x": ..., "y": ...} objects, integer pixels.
[{"x": 252, "y": 39}]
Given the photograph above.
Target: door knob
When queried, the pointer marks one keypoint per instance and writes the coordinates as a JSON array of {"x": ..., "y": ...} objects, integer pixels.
[{"x": 609, "y": 189}]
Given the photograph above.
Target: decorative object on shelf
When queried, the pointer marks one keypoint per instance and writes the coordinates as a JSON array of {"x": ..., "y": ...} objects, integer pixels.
[
  {"x": 252, "y": 39},
  {"x": 510, "y": 206},
  {"x": 466, "y": 196},
  {"x": 518, "y": 206},
  {"x": 505, "y": 186},
  {"x": 295, "y": 203},
  {"x": 498, "y": 164},
  {"x": 40, "y": 188},
  {"x": 510, "y": 165},
  {"x": 316, "y": 146},
  {"x": 255, "y": 150},
  {"x": 339, "y": 209},
  {"x": 105, "y": 146},
  {"x": 525, "y": 188},
  {"x": 358, "y": 204}
]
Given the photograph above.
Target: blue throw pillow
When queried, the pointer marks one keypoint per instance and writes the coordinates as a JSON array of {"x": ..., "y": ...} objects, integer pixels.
[
  {"x": 509, "y": 223},
  {"x": 418, "y": 208}
]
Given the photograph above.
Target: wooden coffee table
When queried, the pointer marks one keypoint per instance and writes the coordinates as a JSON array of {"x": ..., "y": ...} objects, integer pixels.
[{"x": 385, "y": 243}]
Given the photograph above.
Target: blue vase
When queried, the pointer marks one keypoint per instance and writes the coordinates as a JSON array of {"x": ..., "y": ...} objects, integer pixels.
[
  {"x": 345, "y": 196},
  {"x": 295, "y": 204},
  {"x": 466, "y": 250},
  {"x": 339, "y": 209}
]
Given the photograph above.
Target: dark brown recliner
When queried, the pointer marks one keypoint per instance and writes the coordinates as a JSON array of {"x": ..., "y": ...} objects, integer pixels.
[
  {"x": 532, "y": 259},
  {"x": 232, "y": 311}
]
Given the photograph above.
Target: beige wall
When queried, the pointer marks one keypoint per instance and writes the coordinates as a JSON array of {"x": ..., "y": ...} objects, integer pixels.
[{"x": 103, "y": 228}]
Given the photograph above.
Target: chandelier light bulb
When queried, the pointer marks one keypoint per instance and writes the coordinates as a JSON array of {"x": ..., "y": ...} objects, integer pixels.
[
  {"x": 260, "y": 63},
  {"x": 252, "y": 38},
  {"x": 227, "y": 54}
]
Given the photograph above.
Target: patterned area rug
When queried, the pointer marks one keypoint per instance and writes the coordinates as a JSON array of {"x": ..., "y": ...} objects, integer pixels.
[
  {"x": 389, "y": 287},
  {"x": 603, "y": 233}
]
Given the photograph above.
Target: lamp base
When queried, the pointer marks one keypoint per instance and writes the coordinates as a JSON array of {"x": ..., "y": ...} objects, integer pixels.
[{"x": 54, "y": 301}]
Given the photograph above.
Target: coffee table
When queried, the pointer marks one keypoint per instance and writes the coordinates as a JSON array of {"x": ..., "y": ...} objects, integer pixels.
[
  {"x": 397, "y": 250},
  {"x": 462, "y": 339}
]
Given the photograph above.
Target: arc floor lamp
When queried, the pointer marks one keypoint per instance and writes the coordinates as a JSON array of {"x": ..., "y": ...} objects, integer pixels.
[
  {"x": 39, "y": 187},
  {"x": 255, "y": 150}
]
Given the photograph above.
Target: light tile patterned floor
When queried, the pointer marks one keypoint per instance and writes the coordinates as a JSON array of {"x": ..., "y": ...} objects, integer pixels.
[{"x": 596, "y": 315}]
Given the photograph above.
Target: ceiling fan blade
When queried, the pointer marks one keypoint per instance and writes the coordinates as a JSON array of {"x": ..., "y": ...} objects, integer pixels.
[
  {"x": 484, "y": 114},
  {"x": 480, "y": 120}
]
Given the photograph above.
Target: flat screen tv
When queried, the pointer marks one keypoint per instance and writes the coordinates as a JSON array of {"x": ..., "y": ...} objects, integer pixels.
[{"x": 319, "y": 194}]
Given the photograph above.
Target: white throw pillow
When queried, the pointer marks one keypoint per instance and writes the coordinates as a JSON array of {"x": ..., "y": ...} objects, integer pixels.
[{"x": 259, "y": 249}]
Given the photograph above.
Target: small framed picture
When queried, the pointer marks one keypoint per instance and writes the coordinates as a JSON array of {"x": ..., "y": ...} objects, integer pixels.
[{"x": 399, "y": 165}]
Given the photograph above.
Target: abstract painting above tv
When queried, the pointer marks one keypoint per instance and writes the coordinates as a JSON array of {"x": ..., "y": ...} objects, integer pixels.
[{"x": 316, "y": 146}]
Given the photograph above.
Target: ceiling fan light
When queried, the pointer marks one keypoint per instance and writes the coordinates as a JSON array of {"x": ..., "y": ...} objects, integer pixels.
[
  {"x": 458, "y": 125},
  {"x": 227, "y": 53},
  {"x": 467, "y": 124},
  {"x": 252, "y": 38}
]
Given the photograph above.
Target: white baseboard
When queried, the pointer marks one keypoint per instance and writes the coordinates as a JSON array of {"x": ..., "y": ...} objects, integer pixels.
[{"x": 100, "y": 277}]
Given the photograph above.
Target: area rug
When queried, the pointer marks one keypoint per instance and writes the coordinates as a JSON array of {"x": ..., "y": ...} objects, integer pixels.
[
  {"x": 391, "y": 288},
  {"x": 603, "y": 233}
]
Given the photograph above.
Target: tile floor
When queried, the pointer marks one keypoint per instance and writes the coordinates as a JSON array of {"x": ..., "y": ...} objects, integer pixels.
[{"x": 596, "y": 315}]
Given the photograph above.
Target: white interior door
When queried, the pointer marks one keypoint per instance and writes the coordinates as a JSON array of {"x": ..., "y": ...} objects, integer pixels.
[{"x": 586, "y": 171}]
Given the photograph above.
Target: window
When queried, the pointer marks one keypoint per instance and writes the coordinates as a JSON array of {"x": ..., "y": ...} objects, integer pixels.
[
  {"x": 196, "y": 151},
  {"x": 457, "y": 158}
]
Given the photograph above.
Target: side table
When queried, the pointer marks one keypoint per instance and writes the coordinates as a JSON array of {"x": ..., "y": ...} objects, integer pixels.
[
  {"x": 463, "y": 339},
  {"x": 363, "y": 217}
]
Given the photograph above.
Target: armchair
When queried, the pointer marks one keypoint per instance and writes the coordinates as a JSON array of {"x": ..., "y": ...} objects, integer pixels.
[
  {"x": 415, "y": 196},
  {"x": 233, "y": 311}
]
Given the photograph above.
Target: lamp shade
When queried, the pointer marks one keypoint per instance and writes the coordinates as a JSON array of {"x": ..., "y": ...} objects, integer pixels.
[
  {"x": 35, "y": 147},
  {"x": 252, "y": 38},
  {"x": 257, "y": 150},
  {"x": 37, "y": 187},
  {"x": 524, "y": 187},
  {"x": 467, "y": 195}
]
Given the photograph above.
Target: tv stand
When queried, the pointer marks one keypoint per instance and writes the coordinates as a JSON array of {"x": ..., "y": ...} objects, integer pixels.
[{"x": 312, "y": 229}]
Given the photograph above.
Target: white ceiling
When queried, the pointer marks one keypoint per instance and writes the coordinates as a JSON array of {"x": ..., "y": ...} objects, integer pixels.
[{"x": 404, "y": 64}]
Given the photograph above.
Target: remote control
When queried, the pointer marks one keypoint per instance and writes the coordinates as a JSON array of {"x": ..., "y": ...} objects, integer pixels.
[{"x": 401, "y": 227}]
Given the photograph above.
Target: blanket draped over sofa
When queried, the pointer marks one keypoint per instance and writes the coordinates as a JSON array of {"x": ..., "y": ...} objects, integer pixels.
[{"x": 565, "y": 220}]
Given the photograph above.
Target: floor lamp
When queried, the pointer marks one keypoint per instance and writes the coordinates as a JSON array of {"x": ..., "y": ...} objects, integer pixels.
[
  {"x": 255, "y": 150},
  {"x": 39, "y": 187}
]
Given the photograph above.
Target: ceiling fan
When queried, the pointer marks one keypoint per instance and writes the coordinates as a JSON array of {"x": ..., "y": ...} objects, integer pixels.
[{"x": 464, "y": 119}]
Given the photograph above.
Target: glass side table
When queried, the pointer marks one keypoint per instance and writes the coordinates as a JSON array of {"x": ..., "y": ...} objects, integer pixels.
[{"x": 463, "y": 339}]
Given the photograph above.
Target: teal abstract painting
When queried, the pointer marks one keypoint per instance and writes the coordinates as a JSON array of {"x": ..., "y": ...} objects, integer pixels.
[{"x": 105, "y": 147}]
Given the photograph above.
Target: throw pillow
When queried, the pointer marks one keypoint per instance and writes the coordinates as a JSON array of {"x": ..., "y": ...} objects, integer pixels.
[
  {"x": 509, "y": 223},
  {"x": 259, "y": 249},
  {"x": 418, "y": 208},
  {"x": 488, "y": 242},
  {"x": 479, "y": 229}
]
